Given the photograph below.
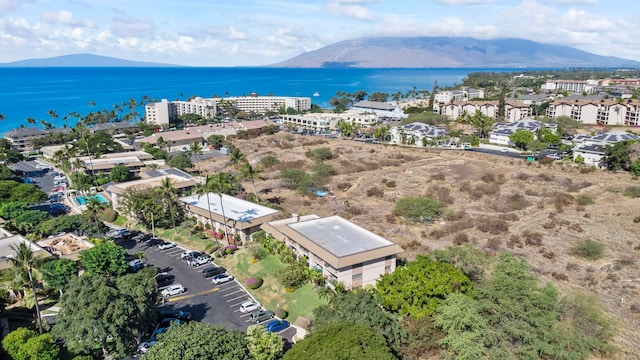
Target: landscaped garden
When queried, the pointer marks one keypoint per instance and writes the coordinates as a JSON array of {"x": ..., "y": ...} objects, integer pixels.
[{"x": 271, "y": 294}]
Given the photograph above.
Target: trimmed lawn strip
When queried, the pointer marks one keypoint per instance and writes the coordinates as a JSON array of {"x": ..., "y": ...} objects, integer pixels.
[{"x": 271, "y": 294}]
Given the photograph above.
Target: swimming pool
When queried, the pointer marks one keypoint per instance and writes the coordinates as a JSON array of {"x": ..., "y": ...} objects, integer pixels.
[{"x": 83, "y": 199}]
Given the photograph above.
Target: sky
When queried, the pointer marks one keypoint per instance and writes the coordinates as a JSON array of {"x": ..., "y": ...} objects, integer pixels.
[{"x": 263, "y": 32}]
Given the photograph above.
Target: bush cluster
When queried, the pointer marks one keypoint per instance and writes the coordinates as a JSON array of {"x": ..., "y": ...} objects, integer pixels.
[
  {"x": 588, "y": 249},
  {"x": 254, "y": 283}
]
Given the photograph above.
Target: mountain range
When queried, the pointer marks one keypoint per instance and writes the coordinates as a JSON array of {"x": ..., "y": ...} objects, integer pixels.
[
  {"x": 449, "y": 52},
  {"x": 397, "y": 52},
  {"x": 82, "y": 60}
]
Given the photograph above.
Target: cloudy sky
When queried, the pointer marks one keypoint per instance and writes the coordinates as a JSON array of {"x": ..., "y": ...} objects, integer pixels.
[{"x": 261, "y": 32}]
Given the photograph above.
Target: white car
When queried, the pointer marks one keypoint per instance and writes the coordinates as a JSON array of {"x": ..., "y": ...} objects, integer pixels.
[
  {"x": 222, "y": 278},
  {"x": 144, "y": 347},
  {"x": 166, "y": 245},
  {"x": 172, "y": 290},
  {"x": 249, "y": 306}
]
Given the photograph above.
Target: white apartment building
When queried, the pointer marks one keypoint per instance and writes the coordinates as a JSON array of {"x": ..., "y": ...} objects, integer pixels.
[
  {"x": 514, "y": 110},
  {"x": 324, "y": 122},
  {"x": 163, "y": 112},
  {"x": 464, "y": 94},
  {"x": 575, "y": 86},
  {"x": 603, "y": 111},
  {"x": 380, "y": 109}
]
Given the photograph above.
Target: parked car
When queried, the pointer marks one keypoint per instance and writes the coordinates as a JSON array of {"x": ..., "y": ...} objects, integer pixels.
[
  {"x": 172, "y": 290},
  {"x": 276, "y": 325},
  {"x": 212, "y": 271},
  {"x": 166, "y": 322},
  {"x": 249, "y": 306},
  {"x": 222, "y": 278},
  {"x": 261, "y": 315},
  {"x": 142, "y": 237},
  {"x": 166, "y": 245},
  {"x": 201, "y": 260},
  {"x": 190, "y": 254},
  {"x": 136, "y": 264},
  {"x": 154, "y": 241},
  {"x": 176, "y": 314}
]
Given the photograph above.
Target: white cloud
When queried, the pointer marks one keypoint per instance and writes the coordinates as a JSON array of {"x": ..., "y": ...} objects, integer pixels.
[
  {"x": 465, "y": 2},
  {"x": 236, "y": 34},
  {"x": 131, "y": 27},
  {"x": 65, "y": 17},
  {"x": 352, "y": 11},
  {"x": 9, "y": 5}
]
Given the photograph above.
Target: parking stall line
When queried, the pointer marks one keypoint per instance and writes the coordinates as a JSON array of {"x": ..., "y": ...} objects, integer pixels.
[
  {"x": 190, "y": 296},
  {"x": 240, "y": 303},
  {"x": 235, "y": 292},
  {"x": 238, "y": 297},
  {"x": 229, "y": 288}
]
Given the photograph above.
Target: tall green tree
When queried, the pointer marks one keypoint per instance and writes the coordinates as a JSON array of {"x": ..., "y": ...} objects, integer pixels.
[
  {"x": 103, "y": 313},
  {"x": 195, "y": 149},
  {"x": 25, "y": 263},
  {"x": 199, "y": 341},
  {"x": 119, "y": 173},
  {"x": 362, "y": 307},
  {"x": 106, "y": 258},
  {"x": 419, "y": 287},
  {"x": 617, "y": 156},
  {"x": 520, "y": 138},
  {"x": 57, "y": 273},
  {"x": 236, "y": 157},
  {"x": 168, "y": 195},
  {"x": 341, "y": 341},
  {"x": 25, "y": 344},
  {"x": 264, "y": 345}
]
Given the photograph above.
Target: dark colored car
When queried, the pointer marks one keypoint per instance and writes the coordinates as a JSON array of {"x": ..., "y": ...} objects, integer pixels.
[
  {"x": 276, "y": 325},
  {"x": 154, "y": 241},
  {"x": 175, "y": 314},
  {"x": 142, "y": 237},
  {"x": 164, "y": 279},
  {"x": 261, "y": 315},
  {"x": 212, "y": 271}
]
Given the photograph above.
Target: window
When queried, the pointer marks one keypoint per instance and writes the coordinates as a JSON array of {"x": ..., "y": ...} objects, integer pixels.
[
  {"x": 356, "y": 277},
  {"x": 387, "y": 269}
]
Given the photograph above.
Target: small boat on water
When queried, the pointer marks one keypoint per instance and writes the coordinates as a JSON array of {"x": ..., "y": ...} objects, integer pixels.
[{"x": 316, "y": 94}]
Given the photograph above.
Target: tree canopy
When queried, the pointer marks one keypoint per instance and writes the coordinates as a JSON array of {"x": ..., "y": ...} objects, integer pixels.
[
  {"x": 105, "y": 258},
  {"x": 26, "y": 344},
  {"x": 57, "y": 273},
  {"x": 417, "y": 209},
  {"x": 264, "y": 345},
  {"x": 199, "y": 341},
  {"x": 419, "y": 287}
]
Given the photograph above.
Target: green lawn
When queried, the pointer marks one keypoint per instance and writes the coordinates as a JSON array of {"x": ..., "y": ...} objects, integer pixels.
[{"x": 271, "y": 294}]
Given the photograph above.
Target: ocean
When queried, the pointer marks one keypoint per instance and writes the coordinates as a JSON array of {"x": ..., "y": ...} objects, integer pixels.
[{"x": 33, "y": 92}]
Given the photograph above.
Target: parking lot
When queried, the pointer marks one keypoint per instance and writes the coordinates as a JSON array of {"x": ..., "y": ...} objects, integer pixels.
[
  {"x": 207, "y": 302},
  {"x": 37, "y": 171}
]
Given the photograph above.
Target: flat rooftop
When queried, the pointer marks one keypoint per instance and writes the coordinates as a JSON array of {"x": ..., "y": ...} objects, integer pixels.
[
  {"x": 339, "y": 236},
  {"x": 235, "y": 209}
]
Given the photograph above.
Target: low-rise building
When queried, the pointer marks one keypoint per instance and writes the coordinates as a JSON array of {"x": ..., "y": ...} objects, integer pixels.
[
  {"x": 10, "y": 242},
  {"x": 134, "y": 160},
  {"x": 21, "y": 138},
  {"x": 416, "y": 133},
  {"x": 381, "y": 109},
  {"x": 501, "y": 133},
  {"x": 339, "y": 249},
  {"x": 591, "y": 147},
  {"x": 243, "y": 218},
  {"x": 325, "y": 122},
  {"x": 514, "y": 110},
  {"x": 180, "y": 181}
]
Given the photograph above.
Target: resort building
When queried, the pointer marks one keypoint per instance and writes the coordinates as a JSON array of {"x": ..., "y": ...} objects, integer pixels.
[
  {"x": 591, "y": 147},
  {"x": 181, "y": 181},
  {"x": 8, "y": 241},
  {"x": 134, "y": 160},
  {"x": 597, "y": 111},
  {"x": 243, "y": 218},
  {"x": 416, "y": 133},
  {"x": 464, "y": 94},
  {"x": 514, "y": 110},
  {"x": 574, "y": 86},
  {"x": 383, "y": 110},
  {"x": 163, "y": 112},
  {"x": 21, "y": 138},
  {"x": 339, "y": 249},
  {"x": 326, "y": 122},
  {"x": 501, "y": 132}
]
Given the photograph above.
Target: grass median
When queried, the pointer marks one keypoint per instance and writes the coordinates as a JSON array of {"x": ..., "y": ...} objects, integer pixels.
[{"x": 271, "y": 294}]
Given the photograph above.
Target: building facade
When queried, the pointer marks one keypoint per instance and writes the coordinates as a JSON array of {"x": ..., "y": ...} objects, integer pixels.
[
  {"x": 593, "y": 111},
  {"x": 418, "y": 134},
  {"x": 337, "y": 248},
  {"x": 21, "y": 138}
]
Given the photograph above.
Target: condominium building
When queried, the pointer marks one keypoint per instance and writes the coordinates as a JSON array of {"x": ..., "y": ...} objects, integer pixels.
[
  {"x": 514, "y": 110},
  {"x": 163, "y": 112},
  {"x": 464, "y": 94},
  {"x": 380, "y": 109},
  {"x": 337, "y": 248},
  {"x": 575, "y": 86},
  {"x": 21, "y": 138},
  {"x": 603, "y": 111},
  {"x": 324, "y": 122}
]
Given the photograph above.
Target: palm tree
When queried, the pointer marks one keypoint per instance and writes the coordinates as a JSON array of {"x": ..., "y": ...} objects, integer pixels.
[
  {"x": 25, "y": 263},
  {"x": 168, "y": 193},
  {"x": 204, "y": 189},
  {"x": 94, "y": 206},
  {"x": 196, "y": 150},
  {"x": 236, "y": 157},
  {"x": 248, "y": 172},
  {"x": 222, "y": 183},
  {"x": 30, "y": 121}
]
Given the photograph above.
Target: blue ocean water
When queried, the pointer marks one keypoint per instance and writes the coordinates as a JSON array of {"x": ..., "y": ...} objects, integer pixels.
[{"x": 33, "y": 92}]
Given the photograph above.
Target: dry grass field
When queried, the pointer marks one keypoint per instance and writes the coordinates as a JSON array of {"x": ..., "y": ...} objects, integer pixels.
[{"x": 537, "y": 212}]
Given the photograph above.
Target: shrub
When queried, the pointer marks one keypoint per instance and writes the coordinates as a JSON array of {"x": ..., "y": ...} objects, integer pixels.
[
  {"x": 438, "y": 176},
  {"x": 319, "y": 154},
  {"x": 108, "y": 215},
  {"x": 254, "y": 283},
  {"x": 488, "y": 177},
  {"x": 417, "y": 209},
  {"x": 632, "y": 191},
  {"x": 281, "y": 313},
  {"x": 636, "y": 219},
  {"x": 324, "y": 170},
  {"x": 532, "y": 238},
  {"x": 375, "y": 191},
  {"x": 584, "y": 199},
  {"x": 494, "y": 226},
  {"x": 460, "y": 238},
  {"x": 390, "y": 184},
  {"x": 494, "y": 243},
  {"x": 258, "y": 252},
  {"x": 269, "y": 161},
  {"x": 588, "y": 249}
]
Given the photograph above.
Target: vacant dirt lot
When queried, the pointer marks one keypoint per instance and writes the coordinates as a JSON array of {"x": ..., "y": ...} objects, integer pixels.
[{"x": 537, "y": 212}]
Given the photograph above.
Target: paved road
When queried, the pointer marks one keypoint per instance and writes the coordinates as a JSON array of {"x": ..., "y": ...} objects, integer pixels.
[{"x": 207, "y": 302}]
